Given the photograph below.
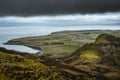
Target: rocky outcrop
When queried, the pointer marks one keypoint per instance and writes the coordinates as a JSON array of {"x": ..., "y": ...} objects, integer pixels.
[
  {"x": 106, "y": 38},
  {"x": 100, "y": 57}
]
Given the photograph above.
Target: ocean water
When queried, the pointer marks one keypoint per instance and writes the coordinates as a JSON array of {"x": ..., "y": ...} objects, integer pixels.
[{"x": 15, "y": 27}]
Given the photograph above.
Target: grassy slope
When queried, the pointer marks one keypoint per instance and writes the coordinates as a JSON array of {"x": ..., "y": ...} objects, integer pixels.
[{"x": 15, "y": 67}]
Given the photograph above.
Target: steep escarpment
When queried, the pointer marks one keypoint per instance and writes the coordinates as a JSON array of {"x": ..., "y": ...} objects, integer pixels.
[{"x": 101, "y": 57}]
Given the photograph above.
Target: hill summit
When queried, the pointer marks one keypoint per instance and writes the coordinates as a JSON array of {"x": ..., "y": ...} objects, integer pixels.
[{"x": 106, "y": 38}]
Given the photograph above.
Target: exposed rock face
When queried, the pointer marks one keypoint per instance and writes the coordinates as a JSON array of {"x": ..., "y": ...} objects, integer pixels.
[
  {"x": 110, "y": 50},
  {"x": 103, "y": 56},
  {"x": 106, "y": 38}
]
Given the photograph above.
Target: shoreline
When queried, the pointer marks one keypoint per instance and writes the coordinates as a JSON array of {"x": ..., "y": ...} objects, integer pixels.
[{"x": 39, "y": 50}]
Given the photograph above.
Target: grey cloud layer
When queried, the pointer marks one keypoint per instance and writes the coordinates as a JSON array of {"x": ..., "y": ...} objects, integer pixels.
[{"x": 39, "y": 7}]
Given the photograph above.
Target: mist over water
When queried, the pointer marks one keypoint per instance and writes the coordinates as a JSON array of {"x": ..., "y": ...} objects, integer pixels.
[{"x": 16, "y": 27}]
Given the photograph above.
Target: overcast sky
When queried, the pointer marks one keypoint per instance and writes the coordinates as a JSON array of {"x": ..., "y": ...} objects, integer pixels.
[{"x": 41, "y": 7}]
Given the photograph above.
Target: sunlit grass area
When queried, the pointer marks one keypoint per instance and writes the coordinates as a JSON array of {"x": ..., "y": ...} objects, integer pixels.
[{"x": 90, "y": 54}]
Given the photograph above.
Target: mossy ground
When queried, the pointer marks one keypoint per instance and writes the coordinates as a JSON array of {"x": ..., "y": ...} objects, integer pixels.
[
  {"x": 90, "y": 54},
  {"x": 15, "y": 67}
]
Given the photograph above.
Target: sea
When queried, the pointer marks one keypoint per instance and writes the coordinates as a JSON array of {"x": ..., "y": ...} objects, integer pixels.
[{"x": 12, "y": 27}]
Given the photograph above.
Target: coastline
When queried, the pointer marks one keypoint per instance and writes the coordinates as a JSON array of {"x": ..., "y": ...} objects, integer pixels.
[
  {"x": 41, "y": 50},
  {"x": 60, "y": 43}
]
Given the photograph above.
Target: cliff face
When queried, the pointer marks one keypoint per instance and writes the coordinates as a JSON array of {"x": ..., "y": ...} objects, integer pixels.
[{"x": 103, "y": 56}]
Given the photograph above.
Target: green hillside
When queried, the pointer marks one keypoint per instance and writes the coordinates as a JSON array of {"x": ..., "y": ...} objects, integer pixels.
[{"x": 16, "y": 67}]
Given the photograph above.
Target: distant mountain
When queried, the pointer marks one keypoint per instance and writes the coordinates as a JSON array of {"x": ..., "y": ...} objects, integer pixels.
[{"x": 99, "y": 58}]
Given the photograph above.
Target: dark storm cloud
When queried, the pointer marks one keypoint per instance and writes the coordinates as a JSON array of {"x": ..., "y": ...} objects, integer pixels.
[{"x": 38, "y": 7}]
